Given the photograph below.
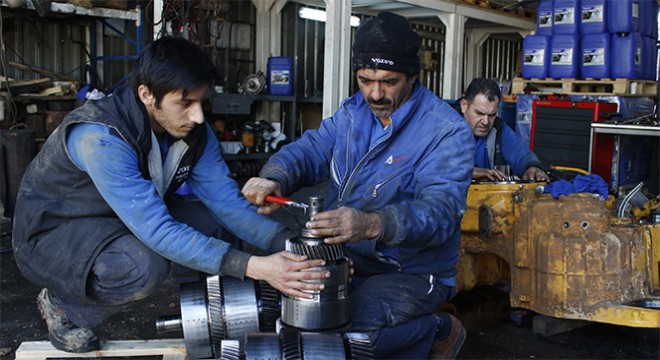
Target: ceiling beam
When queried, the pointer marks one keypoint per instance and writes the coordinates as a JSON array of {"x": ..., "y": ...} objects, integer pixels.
[{"x": 475, "y": 12}]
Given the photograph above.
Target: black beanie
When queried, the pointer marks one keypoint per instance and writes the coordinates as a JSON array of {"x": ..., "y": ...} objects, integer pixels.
[{"x": 386, "y": 42}]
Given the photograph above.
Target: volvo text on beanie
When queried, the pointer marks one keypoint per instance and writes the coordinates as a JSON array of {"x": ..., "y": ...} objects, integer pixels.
[{"x": 386, "y": 42}]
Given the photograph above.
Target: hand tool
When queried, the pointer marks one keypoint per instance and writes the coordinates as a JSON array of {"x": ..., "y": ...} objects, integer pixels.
[{"x": 285, "y": 201}]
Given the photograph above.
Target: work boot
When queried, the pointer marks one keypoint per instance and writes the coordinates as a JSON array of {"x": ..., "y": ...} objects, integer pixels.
[
  {"x": 63, "y": 334},
  {"x": 449, "y": 347}
]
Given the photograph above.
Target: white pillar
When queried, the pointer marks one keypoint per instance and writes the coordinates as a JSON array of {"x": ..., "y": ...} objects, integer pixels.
[
  {"x": 474, "y": 53},
  {"x": 337, "y": 59},
  {"x": 158, "y": 17},
  {"x": 268, "y": 32},
  {"x": 268, "y": 43},
  {"x": 452, "y": 71}
]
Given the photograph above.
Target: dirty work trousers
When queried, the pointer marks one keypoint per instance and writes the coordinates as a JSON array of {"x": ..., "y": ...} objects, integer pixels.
[
  {"x": 398, "y": 312},
  {"x": 127, "y": 271}
]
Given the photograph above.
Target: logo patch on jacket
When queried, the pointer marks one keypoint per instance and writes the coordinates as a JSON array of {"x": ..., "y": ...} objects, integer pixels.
[
  {"x": 393, "y": 160},
  {"x": 182, "y": 173}
]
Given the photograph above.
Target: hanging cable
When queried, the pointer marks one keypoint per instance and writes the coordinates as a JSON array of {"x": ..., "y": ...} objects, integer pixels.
[{"x": 3, "y": 62}]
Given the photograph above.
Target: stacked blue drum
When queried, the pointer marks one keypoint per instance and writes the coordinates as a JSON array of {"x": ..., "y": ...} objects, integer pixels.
[
  {"x": 544, "y": 18},
  {"x": 564, "y": 56},
  {"x": 593, "y": 39},
  {"x": 596, "y": 50},
  {"x": 536, "y": 48},
  {"x": 535, "y": 57}
]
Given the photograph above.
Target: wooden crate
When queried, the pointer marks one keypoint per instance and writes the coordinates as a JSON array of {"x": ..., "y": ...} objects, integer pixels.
[
  {"x": 601, "y": 87},
  {"x": 169, "y": 349}
]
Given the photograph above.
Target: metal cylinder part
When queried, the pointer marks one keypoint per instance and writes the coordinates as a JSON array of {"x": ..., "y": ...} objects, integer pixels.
[
  {"x": 195, "y": 321},
  {"x": 168, "y": 324},
  {"x": 329, "y": 308},
  {"x": 222, "y": 308},
  {"x": 293, "y": 344}
]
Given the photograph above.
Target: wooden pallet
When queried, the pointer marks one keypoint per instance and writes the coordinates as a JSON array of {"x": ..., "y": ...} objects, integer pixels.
[
  {"x": 617, "y": 87},
  {"x": 497, "y": 7},
  {"x": 169, "y": 349}
]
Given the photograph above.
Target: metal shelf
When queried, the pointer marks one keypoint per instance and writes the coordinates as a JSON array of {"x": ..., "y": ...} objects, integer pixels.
[
  {"x": 70, "y": 9},
  {"x": 241, "y": 104},
  {"x": 102, "y": 15}
]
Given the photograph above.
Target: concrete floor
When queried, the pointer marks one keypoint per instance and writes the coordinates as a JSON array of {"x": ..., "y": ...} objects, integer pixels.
[{"x": 484, "y": 311}]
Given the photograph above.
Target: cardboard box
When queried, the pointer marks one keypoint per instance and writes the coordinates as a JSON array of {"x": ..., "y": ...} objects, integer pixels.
[{"x": 311, "y": 116}]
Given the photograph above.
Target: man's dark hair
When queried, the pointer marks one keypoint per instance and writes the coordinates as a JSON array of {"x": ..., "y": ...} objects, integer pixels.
[
  {"x": 487, "y": 87},
  {"x": 172, "y": 64}
]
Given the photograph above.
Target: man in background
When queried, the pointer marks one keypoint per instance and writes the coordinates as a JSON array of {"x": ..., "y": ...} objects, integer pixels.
[{"x": 496, "y": 143}]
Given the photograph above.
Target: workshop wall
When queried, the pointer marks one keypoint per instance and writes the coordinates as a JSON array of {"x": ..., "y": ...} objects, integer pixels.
[{"x": 57, "y": 44}]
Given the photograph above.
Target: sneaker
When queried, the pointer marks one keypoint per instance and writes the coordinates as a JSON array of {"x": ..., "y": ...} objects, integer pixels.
[
  {"x": 63, "y": 334},
  {"x": 449, "y": 347}
]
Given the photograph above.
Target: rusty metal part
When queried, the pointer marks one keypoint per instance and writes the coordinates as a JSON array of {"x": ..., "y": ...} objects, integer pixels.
[{"x": 568, "y": 258}]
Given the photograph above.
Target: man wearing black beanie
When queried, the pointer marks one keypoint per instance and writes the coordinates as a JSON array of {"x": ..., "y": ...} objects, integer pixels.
[{"x": 399, "y": 161}]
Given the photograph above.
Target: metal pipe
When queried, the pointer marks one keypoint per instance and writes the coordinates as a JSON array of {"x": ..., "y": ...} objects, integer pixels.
[{"x": 169, "y": 324}]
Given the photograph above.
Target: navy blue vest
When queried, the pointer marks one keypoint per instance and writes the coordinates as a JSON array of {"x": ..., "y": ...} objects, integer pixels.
[{"x": 61, "y": 222}]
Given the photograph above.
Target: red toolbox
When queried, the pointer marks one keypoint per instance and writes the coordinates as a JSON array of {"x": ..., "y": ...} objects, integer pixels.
[{"x": 561, "y": 131}]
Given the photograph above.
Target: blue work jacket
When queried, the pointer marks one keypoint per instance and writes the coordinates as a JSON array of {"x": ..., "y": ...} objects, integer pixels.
[
  {"x": 511, "y": 150},
  {"x": 416, "y": 177}
]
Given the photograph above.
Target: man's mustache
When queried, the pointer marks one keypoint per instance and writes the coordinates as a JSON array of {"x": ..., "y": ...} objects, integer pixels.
[{"x": 379, "y": 102}]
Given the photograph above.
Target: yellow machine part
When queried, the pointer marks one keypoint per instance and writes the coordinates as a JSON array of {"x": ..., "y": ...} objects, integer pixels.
[{"x": 567, "y": 257}]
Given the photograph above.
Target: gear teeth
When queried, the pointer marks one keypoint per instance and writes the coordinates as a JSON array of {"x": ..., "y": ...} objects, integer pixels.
[
  {"x": 322, "y": 346},
  {"x": 262, "y": 346},
  {"x": 359, "y": 346},
  {"x": 230, "y": 350},
  {"x": 270, "y": 304},
  {"x": 216, "y": 313},
  {"x": 195, "y": 320},
  {"x": 328, "y": 252},
  {"x": 240, "y": 307},
  {"x": 291, "y": 346}
]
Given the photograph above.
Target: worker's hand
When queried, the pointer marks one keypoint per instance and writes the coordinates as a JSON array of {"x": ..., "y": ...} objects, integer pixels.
[
  {"x": 482, "y": 174},
  {"x": 535, "y": 174},
  {"x": 288, "y": 273},
  {"x": 344, "y": 224},
  {"x": 255, "y": 191}
]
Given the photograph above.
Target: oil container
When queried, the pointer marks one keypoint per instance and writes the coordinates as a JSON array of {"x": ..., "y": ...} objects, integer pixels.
[
  {"x": 544, "y": 18},
  {"x": 595, "y": 60},
  {"x": 566, "y": 17},
  {"x": 626, "y": 61},
  {"x": 536, "y": 56},
  {"x": 280, "y": 70},
  {"x": 623, "y": 16},
  {"x": 650, "y": 53},
  {"x": 564, "y": 52},
  {"x": 593, "y": 16},
  {"x": 648, "y": 19},
  {"x": 653, "y": 21}
]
